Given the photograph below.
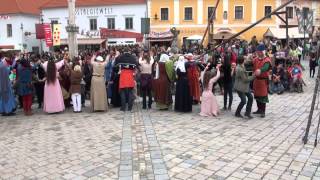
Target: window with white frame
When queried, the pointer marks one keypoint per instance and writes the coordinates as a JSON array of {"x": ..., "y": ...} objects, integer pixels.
[
  {"x": 129, "y": 22},
  {"x": 238, "y": 12},
  {"x": 267, "y": 10},
  {"x": 93, "y": 24},
  {"x": 111, "y": 23},
  {"x": 164, "y": 14},
  {"x": 188, "y": 13}
]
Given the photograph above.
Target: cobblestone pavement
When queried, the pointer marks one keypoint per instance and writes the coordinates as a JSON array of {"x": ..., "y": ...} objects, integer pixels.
[{"x": 163, "y": 145}]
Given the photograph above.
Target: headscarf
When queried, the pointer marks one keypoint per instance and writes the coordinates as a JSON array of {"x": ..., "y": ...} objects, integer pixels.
[
  {"x": 4, "y": 82},
  {"x": 181, "y": 64}
]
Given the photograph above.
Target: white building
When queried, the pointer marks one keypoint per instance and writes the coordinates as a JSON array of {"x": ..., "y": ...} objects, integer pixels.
[
  {"x": 17, "y": 25},
  {"x": 124, "y": 15}
]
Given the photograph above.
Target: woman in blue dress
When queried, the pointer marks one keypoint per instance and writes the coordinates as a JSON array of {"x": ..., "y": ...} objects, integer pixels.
[{"x": 7, "y": 100}]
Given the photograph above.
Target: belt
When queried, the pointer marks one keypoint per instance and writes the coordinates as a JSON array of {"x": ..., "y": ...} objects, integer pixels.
[
  {"x": 262, "y": 78},
  {"x": 98, "y": 75}
]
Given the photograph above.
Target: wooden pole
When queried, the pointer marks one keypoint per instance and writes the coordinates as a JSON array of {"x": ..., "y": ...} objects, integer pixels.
[{"x": 210, "y": 19}]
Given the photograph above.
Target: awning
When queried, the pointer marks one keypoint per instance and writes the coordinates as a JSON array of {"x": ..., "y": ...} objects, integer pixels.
[
  {"x": 280, "y": 33},
  {"x": 195, "y": 37},
  {"x": 85, "y": 41},
  {"x": 10, "y": 47},
  {"x": 225, "y": 33},
  {"x": 160, "y": 36},
  {"x": 112, "y": 33}
]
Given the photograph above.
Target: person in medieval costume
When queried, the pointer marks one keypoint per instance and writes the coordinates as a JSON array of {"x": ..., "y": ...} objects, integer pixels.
[
  {"x": 98, "y": 93},
  {"x": 7, "y": 100},
  {"x": 261, "y": 67},
  {"x": 183, "y": 98},
  {"x": 127, "y": 65},
  {"x": 162, "y": 83},
  {"x": 193, "y": 73},
  {"x": 24, "y": 85},
  {"x": 53, "y": 99},
  {"x": 64, "y": 79}
]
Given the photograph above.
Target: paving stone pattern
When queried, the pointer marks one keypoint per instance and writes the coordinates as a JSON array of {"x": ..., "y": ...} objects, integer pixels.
[{"x": 160, "y": 145}]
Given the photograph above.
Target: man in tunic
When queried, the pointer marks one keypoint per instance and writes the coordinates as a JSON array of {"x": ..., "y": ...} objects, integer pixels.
[{"x": 261, "y": 67}]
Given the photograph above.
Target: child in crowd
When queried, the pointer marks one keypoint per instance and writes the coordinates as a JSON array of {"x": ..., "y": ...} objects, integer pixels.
[
  {"x": 75, "y": 88},
  {"x": 209, "y": 105}
]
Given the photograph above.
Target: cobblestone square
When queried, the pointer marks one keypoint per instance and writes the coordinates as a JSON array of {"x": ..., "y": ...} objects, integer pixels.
[{"x": 151, "y": 144}]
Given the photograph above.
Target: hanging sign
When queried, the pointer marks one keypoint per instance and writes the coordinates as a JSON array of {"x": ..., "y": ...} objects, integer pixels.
[
  {"x": 47, "y": 33},
  {"x": 56, "y": 34}
]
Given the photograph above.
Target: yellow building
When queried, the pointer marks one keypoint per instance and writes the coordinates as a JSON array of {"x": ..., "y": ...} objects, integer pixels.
[{"x": 191, "y": 16}]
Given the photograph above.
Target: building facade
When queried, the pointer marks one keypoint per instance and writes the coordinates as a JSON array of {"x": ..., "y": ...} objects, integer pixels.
[
  {"x": 17, "y": 25},
  {"x": 93, "y": 15},
  {"x": 191, "y": 16},
  {"x": 308, "y": 5}
]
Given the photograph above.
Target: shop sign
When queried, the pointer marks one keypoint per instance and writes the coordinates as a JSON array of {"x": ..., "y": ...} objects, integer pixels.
[{"x": 93, "y": 11}]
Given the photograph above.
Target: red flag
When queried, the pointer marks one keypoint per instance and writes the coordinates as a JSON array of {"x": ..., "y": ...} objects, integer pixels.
[
  {"x": 48, "y": 36},
  {"x": 40, "y": 34}
]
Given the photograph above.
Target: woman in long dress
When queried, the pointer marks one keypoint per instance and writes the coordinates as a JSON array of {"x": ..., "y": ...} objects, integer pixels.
[
  {"x": 7, "y": 100},
  {"x": 162, "y": 83},
  {"x": 209, "y": 104},
  {"x": 53, "y": 100},
  {"x": 98, "y": 86},
  {"x": 183, "y": 98}
]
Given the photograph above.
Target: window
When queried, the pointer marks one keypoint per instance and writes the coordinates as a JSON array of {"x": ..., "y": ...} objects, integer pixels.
[
  {"x": 305, "y": 11},
  {"x": 93, "y": 25},
  {"x": 111, "y": 23},
  {"x": 129, "y": 23},
  {"x": 9, "y": 30},
  {"x": 210, "y": 11},
  {"x": 290, "y": 12},
  {"x": 267, "y": 10},
  {"x": 164, "y": 14},
  {"x": 238, "y": 12},
  {"x": 54, "y": 22},
  {"x": 188, "y": 13}
]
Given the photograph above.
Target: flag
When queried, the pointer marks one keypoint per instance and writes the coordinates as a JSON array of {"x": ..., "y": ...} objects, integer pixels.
[
  {"x": 48, "y": 36},
  {"x": 40, "y": 34},
  {"x": 56, "y": 34}
]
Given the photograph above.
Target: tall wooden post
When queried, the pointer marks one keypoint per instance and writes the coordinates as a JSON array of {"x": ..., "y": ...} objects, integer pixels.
[{"x": 72, "y": 29}]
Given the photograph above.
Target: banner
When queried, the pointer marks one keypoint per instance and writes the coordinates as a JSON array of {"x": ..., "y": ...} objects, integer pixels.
[
  {"x": 40, "y": 34},
  {"x": 47, "y": 33},
  {"x": 56, "y": 34}
]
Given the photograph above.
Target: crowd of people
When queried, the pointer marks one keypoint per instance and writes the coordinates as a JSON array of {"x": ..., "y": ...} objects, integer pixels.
[{"x": 116, "y": 76}]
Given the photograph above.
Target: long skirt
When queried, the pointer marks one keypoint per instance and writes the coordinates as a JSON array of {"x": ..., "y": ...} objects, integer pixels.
[
  {"x": 183, "y": 98},
  {"x": 53, "y": 101},
  {"x": 98, "y": 94},
  {"x": 115, "y": 99},
  {"x": 209, "y": 104},
  {"x": 8, "y": 105},
  {"x": 162, "y": 93}
]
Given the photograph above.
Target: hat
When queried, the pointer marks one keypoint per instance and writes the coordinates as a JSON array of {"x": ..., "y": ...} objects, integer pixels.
[
  {"x": 99, "y": 58},
  {"x": 261, "y": 47}
]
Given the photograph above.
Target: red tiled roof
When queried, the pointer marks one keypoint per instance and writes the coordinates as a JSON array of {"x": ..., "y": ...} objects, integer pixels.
[
  {"x": 64, "y": 3},
  {"x": 21, "y": 6}
]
